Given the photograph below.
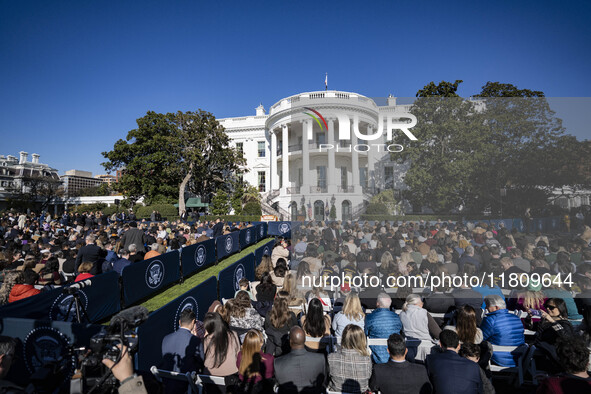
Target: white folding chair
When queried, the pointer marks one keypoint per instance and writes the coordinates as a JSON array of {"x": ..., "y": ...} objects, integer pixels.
[
  {"x": 519, "y": 369},
  {"x": 210, "y": 379},
  {"x": 188, "y": 378}
]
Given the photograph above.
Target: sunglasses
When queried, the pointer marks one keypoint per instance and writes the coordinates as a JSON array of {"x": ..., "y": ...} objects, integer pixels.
[{"x": 550, "y": 307}]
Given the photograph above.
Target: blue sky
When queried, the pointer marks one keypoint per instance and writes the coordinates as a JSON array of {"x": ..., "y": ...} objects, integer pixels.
[{"x": 74, "y": 75}]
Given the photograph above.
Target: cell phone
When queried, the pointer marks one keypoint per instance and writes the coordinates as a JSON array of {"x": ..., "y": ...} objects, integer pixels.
[{"x": 535, "y": 312}]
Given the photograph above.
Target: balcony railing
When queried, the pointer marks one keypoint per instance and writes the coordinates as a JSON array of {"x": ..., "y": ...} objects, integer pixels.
[
  {"x": 293, "y": 190},
  {"x": 318, "y": 189},
  {"x": 346, "y": 189}
]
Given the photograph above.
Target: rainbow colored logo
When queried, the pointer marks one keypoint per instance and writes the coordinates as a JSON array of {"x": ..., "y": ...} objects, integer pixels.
[{"x": 315, "y": 118}]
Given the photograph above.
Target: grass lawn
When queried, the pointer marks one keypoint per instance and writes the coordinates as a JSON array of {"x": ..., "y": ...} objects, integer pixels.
[{"x": 171, "y": 293}]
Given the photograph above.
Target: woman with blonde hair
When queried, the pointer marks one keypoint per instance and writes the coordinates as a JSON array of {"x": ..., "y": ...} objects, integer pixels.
[
  {"x": 353, "y": 355},
  {"x": 405, "y": 258},
  {"x": 10, "y": 279},
  {"x": 295, "y": 297},
  {"x": 253, "y": 365},
  {"x": 352, "y": 313}
]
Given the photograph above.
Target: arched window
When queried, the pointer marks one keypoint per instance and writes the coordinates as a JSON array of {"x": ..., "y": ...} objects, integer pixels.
[
  {"x": 346, "y": 210},
  {"x": 293, "y": 210},
  {"x": 318, "y": 210}
]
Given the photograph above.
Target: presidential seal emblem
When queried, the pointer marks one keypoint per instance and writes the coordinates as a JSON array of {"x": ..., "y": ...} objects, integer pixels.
[
  {"x": 155, "y": 274},
  {"x": 284, "y": 228},
  {"x": 229, "y": 244},
  {"x": 64, "y": 307},
  {"x": 200, "y": 255},
  {"x": 45, "y": 345},
  {"x": 239, "y": 272}
]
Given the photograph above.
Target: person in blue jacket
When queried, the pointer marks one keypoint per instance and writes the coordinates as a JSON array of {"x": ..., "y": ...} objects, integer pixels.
[
  {"x": 381, "y": 323},
  {"x": 501, "y": 328}
]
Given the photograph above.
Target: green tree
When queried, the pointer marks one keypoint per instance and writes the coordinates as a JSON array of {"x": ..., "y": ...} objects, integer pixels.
[
  {"x": 252, "y": 208},
  {"x": 168, "y": 154},
  {"x": 220, "y": 203},
  {"x": 386, "y": 198},
  {"x": 468, "y": 150}
]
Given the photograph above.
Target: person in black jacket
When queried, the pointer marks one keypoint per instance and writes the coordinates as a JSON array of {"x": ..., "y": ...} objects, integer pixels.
[
  {"x": 218, "y": 228},
  {"x": 451, "y": 373},
  {"x": 398, "y": 375},
  {"x": 91, "y": 253}
]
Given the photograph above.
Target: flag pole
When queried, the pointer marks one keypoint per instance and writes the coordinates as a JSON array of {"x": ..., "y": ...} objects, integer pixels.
[{"x": 326, "y": 82}]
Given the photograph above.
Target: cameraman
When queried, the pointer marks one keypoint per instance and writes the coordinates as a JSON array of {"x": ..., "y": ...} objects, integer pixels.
[
  {"x": 130, "y": 383},
  {"x": 7, "y": 349}
]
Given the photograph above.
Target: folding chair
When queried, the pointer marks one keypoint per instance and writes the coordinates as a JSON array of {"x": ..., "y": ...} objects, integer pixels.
[
  {"x": 188, "y": 378},
  {"x": 219, "y": 381},
  {"x": 519, "y": 369}
]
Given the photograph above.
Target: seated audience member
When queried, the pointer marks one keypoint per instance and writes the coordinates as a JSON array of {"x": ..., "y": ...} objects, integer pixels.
[
  {"x": 24, "y": 286},
  {"x": 450, "y": 373},
  {"x": 466, "y": 327},
  {"x": 49, "y": 275},
  {"x": 266, "y": 266},
  {"x": 417, "y": 323},
  {"x": 398, "y": 376},
  {"x": 439, "y": 301},
  {"x": 278, "y": 273},
  {"x": 153, "y": 251},
  {"x": 279, "y": 251},
  {"x": 7, "y": 354},
  {"x": 560, "y": 292},
  {"x": 266, "y": 289},
  {"x": 471, "y": 352},
  {"x": 466, "y": 295},
  {"x": 241, "y": 314},
  {"x": 502, "y": 328},
  {"x": 278, "y": 322},
  {"x": 573, "y": 356},
  {"x": 352, "y": 313},
  {"x": 134, "y": 255},
  {"x": 181, "y": 351},
  {"x": 531, "y": 298},
  {"x": 244, "y": 284},
  {"x": 84, "y": 271},
  {"x": 322, "y": 295},
  {"x": 255, "y": 368},
  {"x": 220, "y": 347},
  {"x": 381, "y": 323},
  {"x": 11, "y": 278},
  {"x": 316, "y": 325},
  {"x": 121, "y": 263},
  {"x": 350, "y": 367},
  {"x": 300, "y": 371}
]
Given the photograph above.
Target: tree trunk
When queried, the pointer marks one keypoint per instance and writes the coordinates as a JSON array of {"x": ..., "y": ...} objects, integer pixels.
[{"x": 182, "y": 189}]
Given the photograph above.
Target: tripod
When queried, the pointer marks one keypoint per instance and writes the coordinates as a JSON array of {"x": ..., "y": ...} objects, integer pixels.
[{"x": 80, "y": 309}]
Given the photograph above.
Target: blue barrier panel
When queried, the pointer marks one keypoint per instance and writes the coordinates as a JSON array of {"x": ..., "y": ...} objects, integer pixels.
[
  {"x": 538, "y": 225},
  {"x": 508, "y": 223},
  {"x": 519, "y": 225},
  {"x": 166, "y": 320},
  {"x": 279, "y": 229},
  {"x": 42, "y": 342},
  {"x": 261, "y": 230},
  {"x": 198, "y": 256},
  {"x": 100, "y": 300},
  {"x": 553, "y": 224},
  {"x": 143, "y": 278},
  {"x": 226, "y": 245},
  {"x": 247, "y": 236},
  {"x": 266, "y": 249},
  {"x": 229, "y": 277}
]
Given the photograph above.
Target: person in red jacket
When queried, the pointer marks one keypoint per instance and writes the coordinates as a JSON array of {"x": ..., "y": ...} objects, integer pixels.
[
  {"x": 25, "y": 288},
  {"x": 84, "y": 271}
]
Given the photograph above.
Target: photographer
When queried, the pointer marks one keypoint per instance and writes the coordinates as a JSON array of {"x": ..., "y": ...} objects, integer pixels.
[{"x": 130, "y": 383}]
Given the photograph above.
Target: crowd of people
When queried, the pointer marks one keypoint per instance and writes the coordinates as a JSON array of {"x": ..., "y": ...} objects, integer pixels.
[
  {"x": 38, "y": 252},
  {"x": 277, "y": 333}
]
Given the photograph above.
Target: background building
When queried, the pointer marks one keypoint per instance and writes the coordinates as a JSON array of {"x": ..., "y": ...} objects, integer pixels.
[
  {"x": 106, "y": 178},
  {"x": 288, "y": 159},
  {"x": 75, "y": 180}
]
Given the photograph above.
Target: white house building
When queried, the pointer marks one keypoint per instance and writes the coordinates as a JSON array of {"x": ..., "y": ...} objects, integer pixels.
[{"x": 310, "y": 150}]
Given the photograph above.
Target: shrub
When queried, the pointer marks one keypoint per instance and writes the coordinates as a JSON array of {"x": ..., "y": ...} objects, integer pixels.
[
  {"x": 252, "y": 208},
  {"x": 168, "y": 211},
  {"x": 376, "y": 208}
]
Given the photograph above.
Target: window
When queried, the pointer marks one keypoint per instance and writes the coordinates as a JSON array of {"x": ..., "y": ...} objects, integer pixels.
[
  {"x": 262, "y": 181},
  {"x": 346, "y": 210},
  {"x": 261, "y": 145},
  {"x": 344, "y": 177},
  {"x": 240, "y": 148},
  {"x": 320, "y": 138},
  {"x": 363, "y": 176},
  {"x": 389, "y": 177},
  {"x": 300, "y": 176},
  {"x": 321, "y": 176}
]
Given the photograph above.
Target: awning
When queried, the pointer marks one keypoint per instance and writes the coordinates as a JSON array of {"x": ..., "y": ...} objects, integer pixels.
[{"x": 194, "y": 202}]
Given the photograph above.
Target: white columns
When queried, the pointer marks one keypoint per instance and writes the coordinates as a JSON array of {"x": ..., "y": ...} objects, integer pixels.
[
  {"x": 274, "y": 173},
  {"x": 306, "y": 130},
  {"x": 330, "y": 171},
  {"x": 371, "y": 163},
  {"x": 355, "y": 156},
  {"x": 285, "y": 158}
]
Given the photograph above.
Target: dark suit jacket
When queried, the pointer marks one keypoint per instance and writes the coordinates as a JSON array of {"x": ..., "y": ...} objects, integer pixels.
[
  {"x": 134, "y": 236},
  {"x": 452, "y": 374},
  {"x": 181, "y": 352},
  {"x": 91, "y": 253},
  {"x": 218, "y": 229},
  {"x": 400, "y": 378},
  {"x": 301, "y": 371}
]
